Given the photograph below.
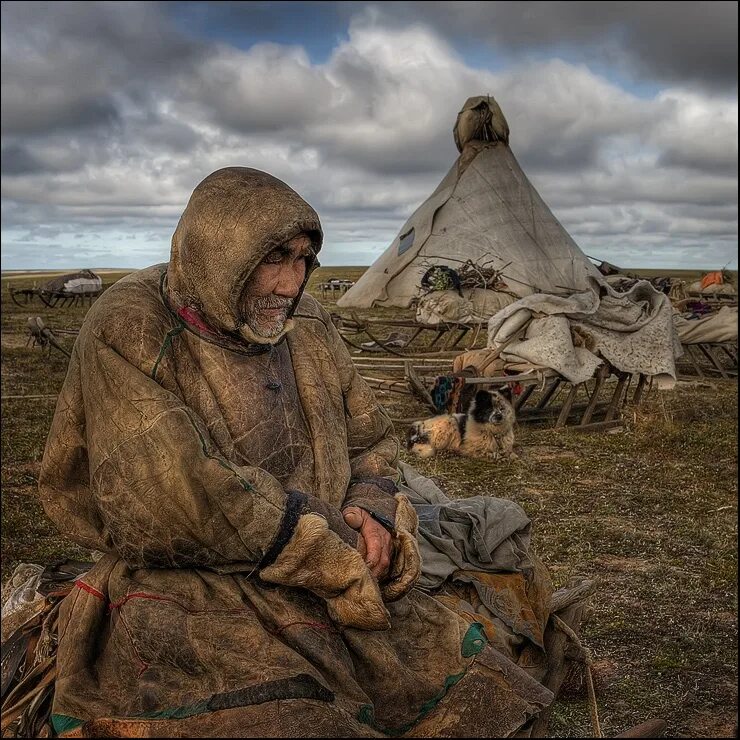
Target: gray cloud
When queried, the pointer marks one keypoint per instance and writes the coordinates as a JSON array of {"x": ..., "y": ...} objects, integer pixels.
[
  {"x": 42, "y": 156},
  {"x": 17, "y": 160},
  {"x": 66, "y": 64},
  {"x": 676, "y": 42},
  {"x": 364, "y": 135}
]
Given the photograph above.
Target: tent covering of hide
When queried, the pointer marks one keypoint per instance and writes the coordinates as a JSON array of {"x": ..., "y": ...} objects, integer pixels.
[
  {"x": 484, "y": 210},
  {"x": 717, "y": 327}
]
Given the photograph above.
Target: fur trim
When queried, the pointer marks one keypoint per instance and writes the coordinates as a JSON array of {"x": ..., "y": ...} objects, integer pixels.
[
  {"x": 406, "y": 516},
  {"x": 288, "y": 565}
]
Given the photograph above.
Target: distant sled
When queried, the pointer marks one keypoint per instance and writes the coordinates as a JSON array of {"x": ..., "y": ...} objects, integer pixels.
[{"x": 65, "y": 290}]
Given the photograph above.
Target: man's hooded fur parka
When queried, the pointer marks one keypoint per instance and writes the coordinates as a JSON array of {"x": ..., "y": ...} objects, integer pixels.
[{"x": 187, "y": 453}]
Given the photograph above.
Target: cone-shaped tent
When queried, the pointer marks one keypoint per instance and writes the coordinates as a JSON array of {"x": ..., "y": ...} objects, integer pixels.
[{"x": 485, "y": 210}]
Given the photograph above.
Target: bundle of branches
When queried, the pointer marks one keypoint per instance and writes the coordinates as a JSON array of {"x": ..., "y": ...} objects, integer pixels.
[
  {"x": 441, "y": 277},
  {"x": 481, "y": 276},
  {"x": 469, "y": 274}
]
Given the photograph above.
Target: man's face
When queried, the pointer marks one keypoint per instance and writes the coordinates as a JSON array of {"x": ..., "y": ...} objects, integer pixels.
[{"x": 269, "y": 292}]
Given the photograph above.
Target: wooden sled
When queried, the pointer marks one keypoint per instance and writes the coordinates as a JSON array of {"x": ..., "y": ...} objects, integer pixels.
[
  {"x": 710, "y": 359},
  {"x": 545, "y": 397},
  {"x": 39, "y": 335},
  {"x": 715, "y": 300},
  {"x": 52, "y": 298},
  {"x": 405, "y": 337},
  {"x": 333, "y": 286}
]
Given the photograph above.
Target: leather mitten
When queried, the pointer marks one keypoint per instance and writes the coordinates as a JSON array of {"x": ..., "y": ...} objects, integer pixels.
[
  {"x": 318, "y": 559},
  {"x": 406, "y": 566}
]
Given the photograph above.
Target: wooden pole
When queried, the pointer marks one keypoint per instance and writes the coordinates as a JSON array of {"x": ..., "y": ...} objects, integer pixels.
[
  {"x": 565, "y": 411},
  {"x": 617, "y": 397},
  {"x": 594, "y": 397},
  {"x": 639, "y": 390},
  {"x": 417, "y": 386},
  {"x": 692, "y": 358},
  {"x": 717, "y": 363},
  {"x": 393, "y": 386},
  {"x": 37, "y": 398},
  {"x": 526, "y": 393},
  {"x": 547, "y": 397}
]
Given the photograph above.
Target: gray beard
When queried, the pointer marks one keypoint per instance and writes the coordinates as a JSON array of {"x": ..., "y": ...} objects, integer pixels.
[
  {"x": 264, "y": 328},
  {"x": 261, "y": 325}
]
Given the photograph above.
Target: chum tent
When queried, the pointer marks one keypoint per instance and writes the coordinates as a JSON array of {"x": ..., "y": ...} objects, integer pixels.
[{"x": 484, "y": 210}]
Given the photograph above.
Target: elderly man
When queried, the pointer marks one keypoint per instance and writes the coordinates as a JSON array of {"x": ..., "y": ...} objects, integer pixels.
[{"x": 215, "y": 443}]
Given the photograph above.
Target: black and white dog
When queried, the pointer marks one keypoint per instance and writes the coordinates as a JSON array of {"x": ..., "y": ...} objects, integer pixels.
[{"x": 486, "y": 430}]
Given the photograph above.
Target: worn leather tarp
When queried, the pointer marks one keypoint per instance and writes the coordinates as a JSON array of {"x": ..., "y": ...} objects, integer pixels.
[
  {"x": 716, "y": 327},
  {"x": 575, "y": 334}
]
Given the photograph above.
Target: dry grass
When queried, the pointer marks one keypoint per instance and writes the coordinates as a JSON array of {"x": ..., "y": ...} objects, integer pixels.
[{"x": 651, "y": 510}]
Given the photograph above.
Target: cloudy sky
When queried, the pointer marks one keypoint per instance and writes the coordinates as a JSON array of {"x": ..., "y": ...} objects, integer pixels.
[{"x": 624, "y": 116}]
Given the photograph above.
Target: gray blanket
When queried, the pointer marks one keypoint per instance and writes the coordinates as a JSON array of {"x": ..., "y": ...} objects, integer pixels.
[{"x": 477, "y": 533}]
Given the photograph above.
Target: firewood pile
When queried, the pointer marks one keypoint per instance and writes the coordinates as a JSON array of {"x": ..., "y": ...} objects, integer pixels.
[{"x": 469, "y": 275}]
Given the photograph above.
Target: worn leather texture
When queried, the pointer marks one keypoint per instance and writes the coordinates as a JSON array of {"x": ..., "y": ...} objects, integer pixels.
[{"x": 169, "y": 453}]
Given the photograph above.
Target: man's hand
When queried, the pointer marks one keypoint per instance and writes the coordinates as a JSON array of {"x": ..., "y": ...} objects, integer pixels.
[{"x": 375, "y": 542}]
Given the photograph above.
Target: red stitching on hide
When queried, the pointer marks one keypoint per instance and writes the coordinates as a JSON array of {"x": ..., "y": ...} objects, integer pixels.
[
  {"x": 138, "y": 595},
  {"x": 191, "y": 316},
  {"x": 90, "y": 589}
]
